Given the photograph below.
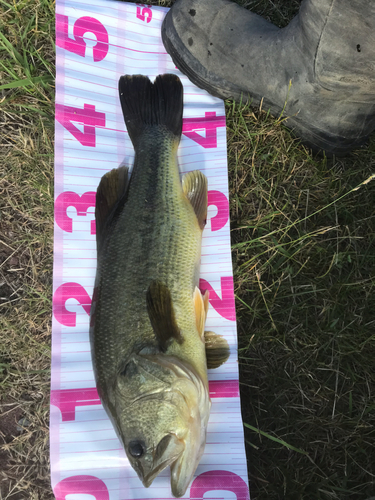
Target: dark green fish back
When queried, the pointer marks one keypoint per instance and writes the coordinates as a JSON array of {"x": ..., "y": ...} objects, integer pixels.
[{"x": 154, "y": 233}]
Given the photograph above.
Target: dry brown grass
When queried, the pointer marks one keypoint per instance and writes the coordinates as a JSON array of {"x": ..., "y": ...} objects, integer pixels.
[{"x": 26, "y": 222}]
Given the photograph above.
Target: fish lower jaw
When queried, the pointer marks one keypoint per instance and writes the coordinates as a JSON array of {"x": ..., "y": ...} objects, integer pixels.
[{"x": 148, "y": 480}]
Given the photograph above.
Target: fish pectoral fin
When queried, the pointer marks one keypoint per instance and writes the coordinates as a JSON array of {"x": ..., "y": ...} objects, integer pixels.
[
  {"x": 161, "y": 313},
  {"x": 194, "y": 185},
  {"x": 217, "y": 349},
  {"x": 111, "y": 189},
  {"x": 201, "y": 308}
]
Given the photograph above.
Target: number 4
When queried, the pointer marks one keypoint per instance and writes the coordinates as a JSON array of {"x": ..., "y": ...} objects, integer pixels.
[
  {"x": 209, "y": 123},
  {"x": 88, "y": 116}
]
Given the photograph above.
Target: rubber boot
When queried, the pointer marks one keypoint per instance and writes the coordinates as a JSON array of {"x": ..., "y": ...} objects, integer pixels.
[{"x": 319, "y": 71}]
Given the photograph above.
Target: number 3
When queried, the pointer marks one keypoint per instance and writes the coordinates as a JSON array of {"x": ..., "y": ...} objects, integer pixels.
[{"x": 80, "y": 203}]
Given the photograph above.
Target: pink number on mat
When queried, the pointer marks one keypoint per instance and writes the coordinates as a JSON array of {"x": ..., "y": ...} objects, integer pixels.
[
  {"x": 214, "y": 480},
  {"x": 209, "y": 123},
  {"x": 67, "y": 400},
  {"x": 220, "y": 201},
  {"x": 224, "y": 389},
  {"x": 88, "y": 116},
  {"x": 85, "y": 485},
  {"x": 144, "y": 14},
  {"x": 81, "y": 26},
  {"x": 62, "y": 294},
  {"x": 225, "y": 305},
  {"x": 80, "y": 203}
]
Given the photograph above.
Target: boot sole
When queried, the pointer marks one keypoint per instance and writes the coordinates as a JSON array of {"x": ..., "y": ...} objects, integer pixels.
[{"x": 318, "y": 141}]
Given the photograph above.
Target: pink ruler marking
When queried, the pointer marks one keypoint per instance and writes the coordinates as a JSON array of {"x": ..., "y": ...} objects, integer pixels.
[{"x": 101, "y": 121}]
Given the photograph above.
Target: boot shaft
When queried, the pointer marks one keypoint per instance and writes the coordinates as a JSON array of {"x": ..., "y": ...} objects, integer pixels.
[{"x": 342, "y": 35}]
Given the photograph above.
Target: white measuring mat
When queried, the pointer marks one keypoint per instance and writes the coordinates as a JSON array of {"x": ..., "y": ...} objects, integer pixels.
[{"x": 97, "y": 41}]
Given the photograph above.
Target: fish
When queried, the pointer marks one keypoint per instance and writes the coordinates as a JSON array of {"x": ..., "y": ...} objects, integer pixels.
[{"x": 147, "y": 318}]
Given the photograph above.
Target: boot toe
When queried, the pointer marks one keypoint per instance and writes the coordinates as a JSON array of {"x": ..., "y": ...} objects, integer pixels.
[{"x": 204, "y": 41}]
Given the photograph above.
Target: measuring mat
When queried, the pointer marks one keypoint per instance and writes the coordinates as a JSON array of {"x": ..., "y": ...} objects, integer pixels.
[{"x": 97, "y": 41}]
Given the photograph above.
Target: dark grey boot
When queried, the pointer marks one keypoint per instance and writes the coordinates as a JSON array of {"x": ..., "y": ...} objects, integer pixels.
[{"x": 327, "y": 52}]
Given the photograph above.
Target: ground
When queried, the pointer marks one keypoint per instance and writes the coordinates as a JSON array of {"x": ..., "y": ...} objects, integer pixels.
[{"x": 303, "y": 251}]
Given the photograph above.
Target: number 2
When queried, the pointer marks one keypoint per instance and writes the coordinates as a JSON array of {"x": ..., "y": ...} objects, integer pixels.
[
  {"x": 68, "y": 400},
  {"x": 62, "y": 294},
  {"x": 225, "y": 305}
]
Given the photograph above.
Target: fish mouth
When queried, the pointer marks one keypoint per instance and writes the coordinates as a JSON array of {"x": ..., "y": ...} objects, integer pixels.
[
  {"x": 167, "y": 452},
  {"x": 191, "y": 446},
  {"x": 149, "y": 478}
]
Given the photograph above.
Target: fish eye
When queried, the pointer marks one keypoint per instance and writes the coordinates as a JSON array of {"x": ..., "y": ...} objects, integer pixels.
[{"x": 136, "y": 449}]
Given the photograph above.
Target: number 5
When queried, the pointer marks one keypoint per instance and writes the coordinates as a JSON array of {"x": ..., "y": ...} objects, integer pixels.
[
  {"x": 77, "y": 44},
  {"x": 144, "y": 14}
]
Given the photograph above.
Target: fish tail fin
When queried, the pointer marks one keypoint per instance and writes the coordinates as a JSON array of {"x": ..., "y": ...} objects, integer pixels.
[{"x": 146, "y": 104}]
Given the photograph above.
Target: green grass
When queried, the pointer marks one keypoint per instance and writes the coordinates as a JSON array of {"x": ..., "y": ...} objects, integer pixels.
[
  {"x": 304, "y": 259},
  {"x": 303, "y": 239}
]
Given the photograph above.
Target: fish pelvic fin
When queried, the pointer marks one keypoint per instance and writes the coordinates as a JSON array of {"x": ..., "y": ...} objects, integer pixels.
[
  {"x": 146, "y": 104},
  {"x": 194, "y": 185},
  {"x": 201, "y": 308},
  {"x": 111, "y": 190},
  {"x": 161, "y": 313},
  {"x": 217, "y": 350}
]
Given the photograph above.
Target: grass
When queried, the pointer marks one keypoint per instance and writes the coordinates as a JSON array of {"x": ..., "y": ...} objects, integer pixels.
[
  {"x": 304, "y": 265},
  {"x": 304, "y": 258},
  {"x": 26, "y": 224}
]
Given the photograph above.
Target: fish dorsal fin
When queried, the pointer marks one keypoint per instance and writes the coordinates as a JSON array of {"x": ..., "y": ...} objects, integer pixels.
[
  {"x": 111, "y": 189},
  {"x": 201, "y": 308},
  {"x": 217, "y": 349},
  {"x": 194, "y": 185},
  {"x": 161, "y": 314}
]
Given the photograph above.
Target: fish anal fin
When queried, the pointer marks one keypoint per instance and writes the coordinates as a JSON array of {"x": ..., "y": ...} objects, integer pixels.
[
  {"x": 217, "y": 350},
  {"x": 194, "y": 185},
  {"x": 161, "y": 313},
  {"x": 200, "y": 311},
  {"x": 111, "y": 189}
]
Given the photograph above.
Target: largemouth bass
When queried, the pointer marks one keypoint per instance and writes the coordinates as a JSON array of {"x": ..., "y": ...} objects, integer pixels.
[{"x": 149, "y": 352}]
